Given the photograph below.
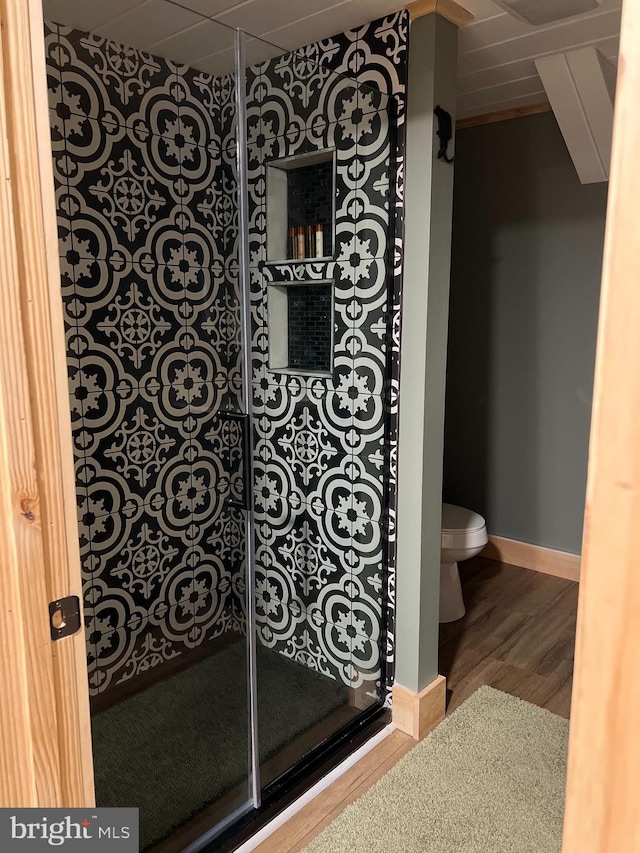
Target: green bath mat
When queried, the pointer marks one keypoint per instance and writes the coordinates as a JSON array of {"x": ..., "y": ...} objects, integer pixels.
[{"x": 489, "y": 779}]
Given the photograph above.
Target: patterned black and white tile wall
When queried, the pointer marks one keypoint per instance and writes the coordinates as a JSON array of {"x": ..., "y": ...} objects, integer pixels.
[
  {"x": 144, "y": 161},
  {"x": 147, "y": 216},
  {"x": 325, "y": 447}
]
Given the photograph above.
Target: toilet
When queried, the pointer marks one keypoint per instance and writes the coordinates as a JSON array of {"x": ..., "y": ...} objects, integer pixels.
[{"x": 464, "y": 535}]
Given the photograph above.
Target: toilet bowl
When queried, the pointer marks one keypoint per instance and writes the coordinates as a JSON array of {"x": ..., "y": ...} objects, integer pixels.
[{"x": 464, "y": 535}]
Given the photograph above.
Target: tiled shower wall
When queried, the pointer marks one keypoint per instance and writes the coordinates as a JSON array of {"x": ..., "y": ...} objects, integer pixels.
[
  {"x": 310, "y": 320},
  {"x": 147, "y": 215},
  {"x": 326, "y": 445},
  {"x": 144, "y": 161},
  {"x": 309, "y": 202}
]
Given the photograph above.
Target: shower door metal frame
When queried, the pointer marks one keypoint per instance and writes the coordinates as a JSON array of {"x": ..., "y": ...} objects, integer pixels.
[{"x": 245, "y": 416}]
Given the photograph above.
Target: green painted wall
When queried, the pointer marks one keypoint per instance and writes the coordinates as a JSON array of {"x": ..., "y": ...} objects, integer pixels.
[{"x": 428, "y": 212}]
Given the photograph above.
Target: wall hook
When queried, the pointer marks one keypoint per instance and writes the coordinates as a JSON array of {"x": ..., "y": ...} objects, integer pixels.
[{"x": 445, "y": 132}]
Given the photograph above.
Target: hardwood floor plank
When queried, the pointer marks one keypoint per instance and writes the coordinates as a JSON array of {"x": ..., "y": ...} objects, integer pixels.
[
  {"x": 547, "y": 630},
  {"x": 560, "y": 702},
  {"x": 525, "y": 685},
  {"x": 513, "y": 588},
  {"x": 558, "y": 660},
  {"x": 501, "y": 629},
  {"x": 518, "y": 636}
]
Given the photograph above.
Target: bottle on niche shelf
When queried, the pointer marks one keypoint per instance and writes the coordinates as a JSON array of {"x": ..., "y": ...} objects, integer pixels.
[
  {"x": 306, "y": 241},
  {"x": 319, "y": 247}
]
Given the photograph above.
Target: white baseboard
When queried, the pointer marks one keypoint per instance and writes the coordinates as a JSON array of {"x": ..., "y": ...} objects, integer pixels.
[{"x": 561, "y": 564}]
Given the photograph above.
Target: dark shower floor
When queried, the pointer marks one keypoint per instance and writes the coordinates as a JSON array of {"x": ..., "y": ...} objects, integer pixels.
[{"x": 182, "y": 743}]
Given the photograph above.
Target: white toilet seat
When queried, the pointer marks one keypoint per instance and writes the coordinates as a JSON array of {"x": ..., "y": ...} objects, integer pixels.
[{"x": 462, "y": 528}]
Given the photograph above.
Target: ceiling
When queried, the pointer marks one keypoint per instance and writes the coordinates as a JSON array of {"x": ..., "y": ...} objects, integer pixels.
[
  {"x": 497, "y": 53},
  {"x": 179, "y": 30},
  {"x": 496, "y": 68}
]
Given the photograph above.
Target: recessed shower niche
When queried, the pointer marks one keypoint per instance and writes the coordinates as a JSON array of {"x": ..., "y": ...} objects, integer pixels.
[
  {"x": 301, "y": 207},
  {"x": 300, "y": 317}
]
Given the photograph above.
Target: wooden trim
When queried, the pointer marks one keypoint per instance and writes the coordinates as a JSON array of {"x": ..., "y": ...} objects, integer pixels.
[
  {"x": 603, "y": 791},
  {"x": 504, "y": 115},
  {"x": 416, "y": 714},
  {"x": 558, "y": 563},
  {"x": 65, "y": 574},
  {"x": 446, "y": 8},
  {"x": 39, "y": 530}
]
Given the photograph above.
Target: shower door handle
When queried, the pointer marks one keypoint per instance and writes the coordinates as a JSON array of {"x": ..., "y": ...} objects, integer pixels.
[{"x": 244, "y": 424}]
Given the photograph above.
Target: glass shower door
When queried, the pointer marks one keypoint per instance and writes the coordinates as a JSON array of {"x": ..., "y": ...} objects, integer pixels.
[{"x": 146, "y": 180}]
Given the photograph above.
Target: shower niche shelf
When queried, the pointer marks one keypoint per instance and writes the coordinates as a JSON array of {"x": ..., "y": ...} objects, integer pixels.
[
  {"x": 301, "y": 195},
  {"x": 300, "y": 324}
]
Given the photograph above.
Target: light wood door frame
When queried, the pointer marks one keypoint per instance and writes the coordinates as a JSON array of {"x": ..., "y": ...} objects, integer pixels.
[
  {"x": 603, "y": 787},
  {"x": 45, "y": 741}
]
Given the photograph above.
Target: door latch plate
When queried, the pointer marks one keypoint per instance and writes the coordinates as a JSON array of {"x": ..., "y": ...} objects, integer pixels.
[{"x": 64, "y": 617}]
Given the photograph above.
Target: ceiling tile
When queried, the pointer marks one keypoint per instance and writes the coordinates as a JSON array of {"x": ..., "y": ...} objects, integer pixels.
[
  {"x": 262, "y": 16},
  {"x": 203, "y": 39},
  {"x": 210, "y": 8},
  {"x": 148, "y": 23},
  {"x": 83, "y": 15}
]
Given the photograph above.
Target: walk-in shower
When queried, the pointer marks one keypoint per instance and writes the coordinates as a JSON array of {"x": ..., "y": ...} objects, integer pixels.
[{"x": 230, "y": 232}]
